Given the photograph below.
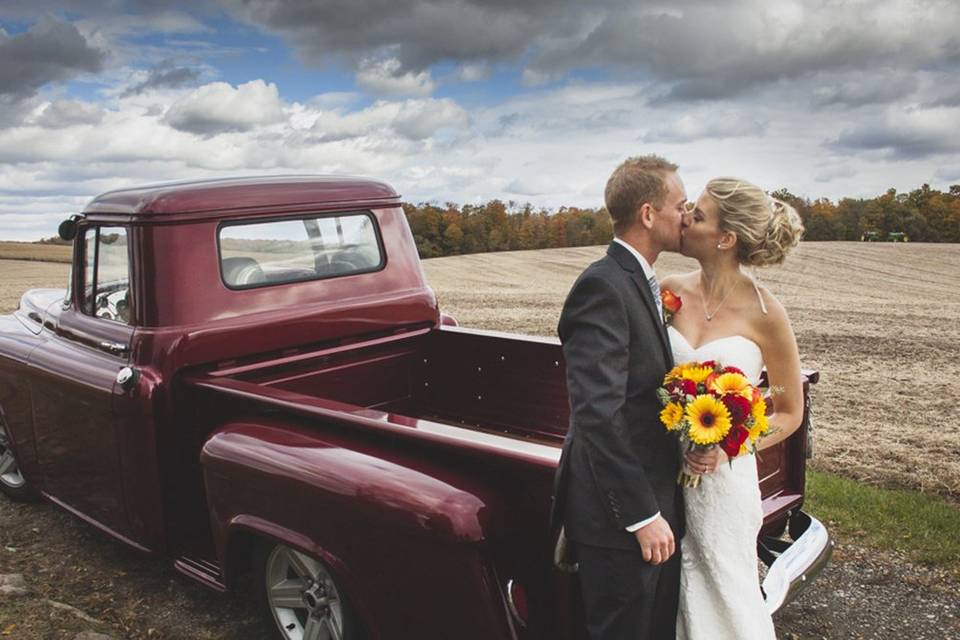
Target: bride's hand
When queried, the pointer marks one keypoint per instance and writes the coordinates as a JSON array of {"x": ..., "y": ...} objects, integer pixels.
[{"x": 703, "y": 461}]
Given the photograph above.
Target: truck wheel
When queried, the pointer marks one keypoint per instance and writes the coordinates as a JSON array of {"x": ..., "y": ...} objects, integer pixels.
[
  {"x": 12, "y": 482},
  {"x": 302, "y": 597}
]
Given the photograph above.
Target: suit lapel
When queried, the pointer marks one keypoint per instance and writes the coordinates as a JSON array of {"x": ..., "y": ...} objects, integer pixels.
[{"x": 629, "y": 263}]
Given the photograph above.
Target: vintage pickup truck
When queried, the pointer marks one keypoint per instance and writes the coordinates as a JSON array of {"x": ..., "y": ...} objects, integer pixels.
[{"x": 253, "y": 375}]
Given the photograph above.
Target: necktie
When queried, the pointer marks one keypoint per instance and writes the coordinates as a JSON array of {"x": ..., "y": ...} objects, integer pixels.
[{"x": 655, "y": 289}]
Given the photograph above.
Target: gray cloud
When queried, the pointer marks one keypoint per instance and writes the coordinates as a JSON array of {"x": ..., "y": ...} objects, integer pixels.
[
  {"x": 864, "y": 90},
  {"x": 700, "y": 126},
  {"x": 907, "y": 134},
  {"x": 165, "y": 76},
  {"x": 66, "y": 113},
  {"x": 698, "y": 49},
  {"x": 49, "y": 51}
]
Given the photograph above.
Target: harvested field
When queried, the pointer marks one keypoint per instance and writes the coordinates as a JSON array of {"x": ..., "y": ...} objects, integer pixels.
[
  {"x": 34, "y": 251},
  {"x": 877, "y": 320}
]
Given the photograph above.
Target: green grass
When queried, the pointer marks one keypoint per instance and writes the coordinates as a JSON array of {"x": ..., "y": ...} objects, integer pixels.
[{"x": 924, "y": 527}]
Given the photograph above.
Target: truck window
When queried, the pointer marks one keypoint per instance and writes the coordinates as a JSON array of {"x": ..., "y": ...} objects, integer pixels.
[
  {"x": 311, "y": 248},
  {"x": 106, "y": 274}
]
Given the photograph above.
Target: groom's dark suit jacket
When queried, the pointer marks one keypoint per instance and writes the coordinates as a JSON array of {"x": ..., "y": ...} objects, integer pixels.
[{"x": 619, "y": 465}]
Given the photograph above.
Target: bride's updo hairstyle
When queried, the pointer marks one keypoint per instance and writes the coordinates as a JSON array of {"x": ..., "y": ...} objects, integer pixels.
[{"x": 766, "y": 228}]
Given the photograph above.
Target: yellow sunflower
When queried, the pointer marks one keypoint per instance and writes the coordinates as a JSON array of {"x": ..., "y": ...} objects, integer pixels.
[
  {"x": 674, "y": 374},
  {"x": 671, "y": 415},
  {"x": 760, "y": 425},
  {"x": 695, "y": 372},
  {"x": 732, "y": 384},
  {"x": 709, "y": 420}
]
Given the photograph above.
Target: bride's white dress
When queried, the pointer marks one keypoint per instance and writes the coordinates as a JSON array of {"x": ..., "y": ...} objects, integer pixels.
[{"x": 720, "y": 595}]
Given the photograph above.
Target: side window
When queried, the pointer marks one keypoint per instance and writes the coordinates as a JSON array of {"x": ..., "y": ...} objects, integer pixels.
[{"x": 106, "y": 274}]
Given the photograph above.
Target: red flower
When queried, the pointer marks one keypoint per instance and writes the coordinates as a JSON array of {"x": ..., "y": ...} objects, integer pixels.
[
  {"x": 733, "y": 370},
  {"x": 732, "y": 441},
  {"x": 680, "y": 388},
  {"x": 738, "y": 406},
  {"x": 671, "y": 301}
]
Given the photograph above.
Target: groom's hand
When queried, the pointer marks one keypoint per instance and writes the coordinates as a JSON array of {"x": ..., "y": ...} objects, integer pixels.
[{"x": 656, "y": 541}]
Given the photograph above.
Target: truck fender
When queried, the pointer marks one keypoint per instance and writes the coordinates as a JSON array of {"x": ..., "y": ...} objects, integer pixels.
[{"x": 246, "y": 531}]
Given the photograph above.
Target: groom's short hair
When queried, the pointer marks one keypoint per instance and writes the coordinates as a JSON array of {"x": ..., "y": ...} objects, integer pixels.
[{"x": 636, "y": 181}]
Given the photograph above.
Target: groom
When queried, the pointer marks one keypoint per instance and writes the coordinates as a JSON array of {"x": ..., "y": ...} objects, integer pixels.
[{"x": 616, "y": 486}]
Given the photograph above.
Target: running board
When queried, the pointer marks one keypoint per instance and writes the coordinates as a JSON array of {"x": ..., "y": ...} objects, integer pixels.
[{"x": 205, "y": 571}]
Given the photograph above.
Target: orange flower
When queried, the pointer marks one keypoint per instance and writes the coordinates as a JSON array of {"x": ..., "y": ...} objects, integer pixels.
[{"x": 671, "y": 301}]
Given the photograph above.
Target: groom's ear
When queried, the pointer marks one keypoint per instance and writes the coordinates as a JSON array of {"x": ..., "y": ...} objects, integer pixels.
[{"x": 644, "y": 215}]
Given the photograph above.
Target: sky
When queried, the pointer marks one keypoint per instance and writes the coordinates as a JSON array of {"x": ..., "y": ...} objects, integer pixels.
[{"x": 469, "y": 100}]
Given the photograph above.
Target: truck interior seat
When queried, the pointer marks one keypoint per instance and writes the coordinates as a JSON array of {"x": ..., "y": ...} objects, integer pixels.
[{"x": 239, "y": 272}]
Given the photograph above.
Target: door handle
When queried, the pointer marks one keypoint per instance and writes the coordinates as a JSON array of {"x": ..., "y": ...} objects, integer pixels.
[{"x": 117, "y": 348}]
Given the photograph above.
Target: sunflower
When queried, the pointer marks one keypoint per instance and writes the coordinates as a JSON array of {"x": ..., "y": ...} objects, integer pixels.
[
  {"x": 760, "y": 424},
  {"x": 695, "y": 372},
  {"x": 674, "y": 374},
  {"x": 732, "y": 384},
  {"x": 671, "y": 415},
  {"x": 709, "y": 420}
]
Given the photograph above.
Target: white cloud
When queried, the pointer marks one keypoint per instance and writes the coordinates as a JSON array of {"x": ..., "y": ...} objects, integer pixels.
[
  {"x": 692, "y": 127},
  {"x": 420, "y": 119},
  {"x": 219, "y": 107},
  {"x": 387, "y": 77}
]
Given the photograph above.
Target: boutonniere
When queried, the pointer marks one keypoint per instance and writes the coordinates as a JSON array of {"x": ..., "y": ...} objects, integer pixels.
[{"x": 671, "y": 304}]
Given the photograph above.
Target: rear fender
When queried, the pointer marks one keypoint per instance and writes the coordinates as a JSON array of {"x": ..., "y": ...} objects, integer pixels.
[{"x": 362, "y": 504}]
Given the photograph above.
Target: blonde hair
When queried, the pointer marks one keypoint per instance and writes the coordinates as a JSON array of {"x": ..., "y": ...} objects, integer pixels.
[
  {"x": 636, "y": 181},
  {"x": 766, "y": 228}
]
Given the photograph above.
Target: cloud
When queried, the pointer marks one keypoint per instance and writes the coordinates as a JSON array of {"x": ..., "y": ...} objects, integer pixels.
[
  {"x": 535, "y": 186},
  {"x": 415, "y": 119},
  {"x": 220, "y": 108},
  {"x": 420, "y": 119},
  {"x": 387, "y": 77},
  {"x": 829, "y": 174},
  {"x": 699, "y": 126},
  {"x": 905, "y": 134},
  {"x": 66, "y": 113},
  {"x": 882, "y": 88},
  {"x": 50, "y": 51},
  {"x": 696, "y": 49},
  {"x": 165, "y": 75}
]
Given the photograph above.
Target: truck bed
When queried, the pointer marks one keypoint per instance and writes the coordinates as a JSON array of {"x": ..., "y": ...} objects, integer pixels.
[{"x": 479, "y": 391}]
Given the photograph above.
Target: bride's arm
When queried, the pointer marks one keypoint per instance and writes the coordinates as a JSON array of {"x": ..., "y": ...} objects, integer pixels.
[{"x": 782, "y": 358}]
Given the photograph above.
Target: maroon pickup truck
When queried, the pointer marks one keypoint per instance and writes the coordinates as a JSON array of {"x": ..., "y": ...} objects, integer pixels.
[{"x": 253, "y": 375}]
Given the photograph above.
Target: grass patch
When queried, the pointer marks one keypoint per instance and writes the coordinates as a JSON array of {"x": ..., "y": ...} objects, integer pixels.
[{"x": 922, "y": 526}]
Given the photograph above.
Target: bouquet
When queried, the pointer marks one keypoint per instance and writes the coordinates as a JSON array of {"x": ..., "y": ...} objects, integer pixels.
[{"x": 706, "y": 405}]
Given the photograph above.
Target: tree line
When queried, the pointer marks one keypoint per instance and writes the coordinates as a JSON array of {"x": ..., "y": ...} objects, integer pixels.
[{"x": 923, "y": 215}]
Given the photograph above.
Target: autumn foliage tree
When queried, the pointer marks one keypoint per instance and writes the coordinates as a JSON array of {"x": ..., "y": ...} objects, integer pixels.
[{"x": 925, "y": 215}]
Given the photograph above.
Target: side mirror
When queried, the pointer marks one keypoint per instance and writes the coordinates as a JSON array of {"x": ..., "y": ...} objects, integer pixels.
[{"x": 68, "y": 228}]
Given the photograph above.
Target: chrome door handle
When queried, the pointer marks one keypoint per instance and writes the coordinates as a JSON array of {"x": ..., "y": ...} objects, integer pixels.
[
  {"x": 117, "y": 348},
  {"x": 126, "y": 377}
]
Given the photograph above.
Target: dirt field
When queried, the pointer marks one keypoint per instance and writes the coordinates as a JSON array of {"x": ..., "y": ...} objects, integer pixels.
[
  {"x": 32, "y": 251},
  {"x": 879, "y": 321}
]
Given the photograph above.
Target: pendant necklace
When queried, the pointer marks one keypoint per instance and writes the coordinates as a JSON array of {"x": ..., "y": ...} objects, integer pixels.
[{"x": 706, "y": 314}]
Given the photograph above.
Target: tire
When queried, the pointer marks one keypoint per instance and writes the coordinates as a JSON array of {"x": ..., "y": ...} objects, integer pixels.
[
  {"x": 12, "y": 482},
  {"x": 301, "y": 596}
]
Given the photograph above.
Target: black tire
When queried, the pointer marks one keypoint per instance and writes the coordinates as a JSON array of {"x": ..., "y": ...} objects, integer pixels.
[
  {"x": 310, "y": 582},
  {"x": 12, "y": 482}
]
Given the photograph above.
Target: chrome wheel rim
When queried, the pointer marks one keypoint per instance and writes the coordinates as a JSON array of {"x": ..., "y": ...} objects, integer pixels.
[
  {"x": 9, "y": 470},
  {"x": 302, "y": 596}
]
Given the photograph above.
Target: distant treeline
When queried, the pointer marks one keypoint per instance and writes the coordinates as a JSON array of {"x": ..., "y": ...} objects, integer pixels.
[{"x": 924, "y": 215}]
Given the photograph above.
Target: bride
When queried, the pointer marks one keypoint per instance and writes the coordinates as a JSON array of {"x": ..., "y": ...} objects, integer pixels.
[{"x": 726, "y": 316}]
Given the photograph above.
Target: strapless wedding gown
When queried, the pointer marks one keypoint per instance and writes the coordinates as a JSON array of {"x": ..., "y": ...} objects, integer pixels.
[{"x": 720, "y": 597}]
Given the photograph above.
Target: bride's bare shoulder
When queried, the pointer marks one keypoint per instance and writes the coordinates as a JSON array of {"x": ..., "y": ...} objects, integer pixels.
[{"x": 680, "y": 283}]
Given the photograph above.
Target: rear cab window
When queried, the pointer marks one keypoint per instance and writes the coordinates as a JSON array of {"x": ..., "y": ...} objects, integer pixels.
[{"x": 294, "y": 250}]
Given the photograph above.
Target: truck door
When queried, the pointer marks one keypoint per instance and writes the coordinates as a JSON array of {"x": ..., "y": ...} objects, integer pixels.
[{"x": 73, "y": 378}]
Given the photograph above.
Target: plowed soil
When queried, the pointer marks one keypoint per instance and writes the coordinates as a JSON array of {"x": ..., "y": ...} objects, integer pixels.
[{"x": 879, "y": 321}]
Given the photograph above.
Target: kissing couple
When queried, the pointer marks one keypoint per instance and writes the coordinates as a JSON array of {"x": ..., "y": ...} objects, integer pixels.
[{"x": 657, "y": 560}]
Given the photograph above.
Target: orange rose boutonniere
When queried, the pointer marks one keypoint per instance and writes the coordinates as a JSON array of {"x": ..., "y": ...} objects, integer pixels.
[{"x": 671, "y": 304}]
